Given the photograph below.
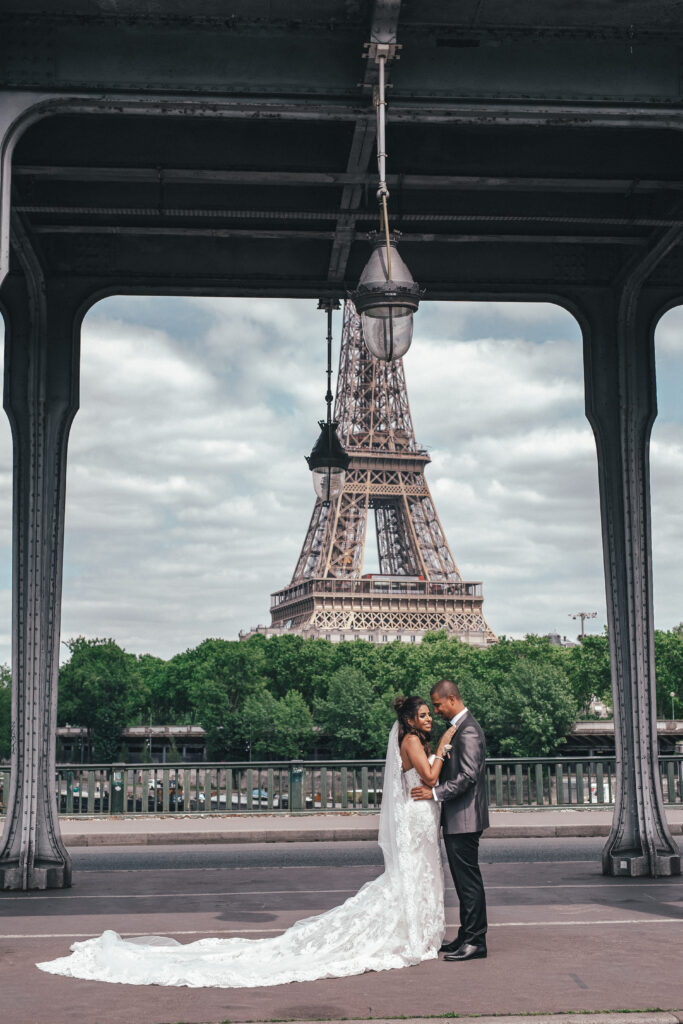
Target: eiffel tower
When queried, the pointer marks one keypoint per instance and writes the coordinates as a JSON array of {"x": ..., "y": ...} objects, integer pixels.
[{"x": 419, "y": 586}]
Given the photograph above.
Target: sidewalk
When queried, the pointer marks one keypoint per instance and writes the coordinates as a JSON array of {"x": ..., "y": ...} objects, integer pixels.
[
  {"x": 566, "y": 945},
  {"x": 316, "y": 827},
  {"x": 628, "y": 1017}
]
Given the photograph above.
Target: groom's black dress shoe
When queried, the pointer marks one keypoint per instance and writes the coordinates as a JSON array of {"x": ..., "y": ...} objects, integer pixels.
[
  {"x": 467, "y": 952},
  {"x": 450, "y": 947}
]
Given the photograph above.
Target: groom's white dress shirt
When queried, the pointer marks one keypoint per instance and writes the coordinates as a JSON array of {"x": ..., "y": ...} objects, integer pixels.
[{"x": 454, "y": 721}]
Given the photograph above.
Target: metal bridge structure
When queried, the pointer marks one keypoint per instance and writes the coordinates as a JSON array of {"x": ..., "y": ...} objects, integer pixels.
[
  {"x": 419, "y": 586},
  {"x": 226, "y": 148}
]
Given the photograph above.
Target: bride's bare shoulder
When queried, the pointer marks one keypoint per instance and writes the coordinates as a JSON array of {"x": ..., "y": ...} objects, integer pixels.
[{"x": 410, "y": 744}]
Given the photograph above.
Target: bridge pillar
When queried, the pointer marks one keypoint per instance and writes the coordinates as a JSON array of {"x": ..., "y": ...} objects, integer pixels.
[
  {"x": 621, "y": 407},
  {"x": 41, "y": 396}
]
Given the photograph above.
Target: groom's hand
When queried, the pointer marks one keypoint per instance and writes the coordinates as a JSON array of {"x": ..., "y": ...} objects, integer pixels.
[{"x": 422, "y": 793}]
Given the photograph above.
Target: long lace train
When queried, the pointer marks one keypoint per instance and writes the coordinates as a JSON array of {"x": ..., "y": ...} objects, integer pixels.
[{"x": 395, "y": 920}]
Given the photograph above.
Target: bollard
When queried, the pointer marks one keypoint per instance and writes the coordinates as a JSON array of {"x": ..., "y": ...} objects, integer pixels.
[
  {"x": 116, "y": 794},
  {"x": 296, "y": 786}
]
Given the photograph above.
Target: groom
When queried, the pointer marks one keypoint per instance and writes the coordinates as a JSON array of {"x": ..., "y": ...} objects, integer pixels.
[{"x": 464, "y": 815}]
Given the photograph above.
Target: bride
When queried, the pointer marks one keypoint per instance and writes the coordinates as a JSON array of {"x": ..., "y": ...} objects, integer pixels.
[{"x": 396, "y": 920}]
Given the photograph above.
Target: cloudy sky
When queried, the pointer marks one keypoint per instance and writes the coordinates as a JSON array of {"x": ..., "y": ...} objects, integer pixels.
[{"x": 189, "y": 498}]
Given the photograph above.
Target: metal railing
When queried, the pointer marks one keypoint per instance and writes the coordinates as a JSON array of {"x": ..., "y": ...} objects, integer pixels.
[
  {"x": 380, "y": 587},
  {"x": 319, "y": 786}
]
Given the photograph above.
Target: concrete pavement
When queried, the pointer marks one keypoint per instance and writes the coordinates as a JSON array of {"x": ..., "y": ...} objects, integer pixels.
[
  {"x": 296, "y": 828},
  {"x": 562, "y": 939}
]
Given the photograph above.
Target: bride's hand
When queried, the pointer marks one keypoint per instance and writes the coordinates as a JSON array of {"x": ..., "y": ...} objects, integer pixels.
[{"x": 446, "y": 738}]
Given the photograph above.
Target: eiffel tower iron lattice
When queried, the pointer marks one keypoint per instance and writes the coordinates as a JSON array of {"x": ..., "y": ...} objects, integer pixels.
[{"x": 419, "y": 586}]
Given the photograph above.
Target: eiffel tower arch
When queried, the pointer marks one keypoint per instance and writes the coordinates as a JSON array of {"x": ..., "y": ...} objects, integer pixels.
[{"x": 419, "y": 586}]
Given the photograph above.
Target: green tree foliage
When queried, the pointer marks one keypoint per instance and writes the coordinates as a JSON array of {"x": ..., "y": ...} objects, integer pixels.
[
  {"x": 669, "y": 665},
  {"x": 5, "y": 713},
  {"x": 284, "y": 697},
  {"x": 292, "y": 663},
  {"x": 153, "y": 702},
  {"x": 223, "y": 674},
  {"x": 277, "y": 729},
  {"x": 588, "y": 671},
  {"x": 533, "y": 710},
  {"x": 354, "y": 718},
  {"x": 97, "y": 690}
]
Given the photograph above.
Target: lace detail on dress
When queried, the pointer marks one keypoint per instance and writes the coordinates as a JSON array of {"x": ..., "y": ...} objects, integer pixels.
[{"x": 395, "y": 920}]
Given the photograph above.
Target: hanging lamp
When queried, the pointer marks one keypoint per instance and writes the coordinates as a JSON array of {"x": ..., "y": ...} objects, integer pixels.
[
  {"x": 328, "y": 461},
  {"x": 387, "y": 296}
]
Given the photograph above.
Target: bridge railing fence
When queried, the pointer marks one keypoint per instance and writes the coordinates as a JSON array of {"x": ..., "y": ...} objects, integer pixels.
[{"x": 319, "y": 786}]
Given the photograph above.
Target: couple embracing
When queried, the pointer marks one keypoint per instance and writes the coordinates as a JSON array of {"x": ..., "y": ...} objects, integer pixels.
[
  {"x": 455, "y": 779},
  {"x": 396, "y": 920}
]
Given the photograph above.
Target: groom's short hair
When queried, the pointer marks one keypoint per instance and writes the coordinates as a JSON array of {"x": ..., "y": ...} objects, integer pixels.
[{"x": 445, "y": 688}]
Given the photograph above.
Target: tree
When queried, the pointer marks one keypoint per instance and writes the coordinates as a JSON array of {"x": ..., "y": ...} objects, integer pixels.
[
  {"x": 353, "y": 717},
  {"x": 5, "y": 713},
  {"x": 223, "y": 674},
  {"x": 533, "y": 711},
  {"x": 292, "y": 663},
  {"x": 588, "y": 670},
  {"x": 669, "y": 671},
  {"x": 278, "y": 729},
  {"x": 96, "y": 691},
  {"x": 161, "y": 696}
]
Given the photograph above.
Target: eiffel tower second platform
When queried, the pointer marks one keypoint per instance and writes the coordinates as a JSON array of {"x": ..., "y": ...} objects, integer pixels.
[{"x": 419, "y": 587}]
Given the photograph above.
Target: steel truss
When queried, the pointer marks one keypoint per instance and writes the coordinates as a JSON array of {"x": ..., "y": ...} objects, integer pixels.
[{"x": 385, "y": 475}]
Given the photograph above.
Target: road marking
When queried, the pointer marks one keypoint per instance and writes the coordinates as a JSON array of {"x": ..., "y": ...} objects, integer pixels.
[
  {"x": 278, "y": 931},
  {"x": 175, "y": 895},
  {"x": 618, "y": 886}
]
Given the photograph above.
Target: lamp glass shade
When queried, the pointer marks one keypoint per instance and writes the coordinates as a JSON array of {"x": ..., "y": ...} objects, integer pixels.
[
  {"x": 386, "y": 303},
  {"x": 376, "y": 270},
  {"x": 328, "y": 482},
  {"x": 388, "y": 331}
]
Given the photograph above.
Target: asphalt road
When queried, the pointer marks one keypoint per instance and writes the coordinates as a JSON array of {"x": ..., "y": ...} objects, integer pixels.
[
  {"x": 562, "y": 937},
  {"x": 336, "y": 854}
]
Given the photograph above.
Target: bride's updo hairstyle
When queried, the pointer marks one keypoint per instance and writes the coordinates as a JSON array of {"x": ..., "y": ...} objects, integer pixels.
[{"x": 406, "y": 711}]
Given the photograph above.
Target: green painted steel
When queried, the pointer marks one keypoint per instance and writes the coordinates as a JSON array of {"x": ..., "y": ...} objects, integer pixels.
[
  {"x": 579, "y": 783},
  {"x": 498, "y": 769},
  {"x": 538, "y": 771},
  {"x": 519, "y": 785},
  {"x": 319, "y": 786}
]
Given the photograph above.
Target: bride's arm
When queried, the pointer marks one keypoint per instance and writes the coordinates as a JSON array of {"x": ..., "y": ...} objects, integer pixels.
[{"x": 414, "y": 751}]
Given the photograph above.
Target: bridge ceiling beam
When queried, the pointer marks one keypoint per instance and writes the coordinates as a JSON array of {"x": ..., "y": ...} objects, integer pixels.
[{"x": 457, "y": 182}]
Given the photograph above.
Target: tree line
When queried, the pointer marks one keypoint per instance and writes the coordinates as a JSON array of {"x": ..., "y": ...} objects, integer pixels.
[{"x": 283, "y": 697}]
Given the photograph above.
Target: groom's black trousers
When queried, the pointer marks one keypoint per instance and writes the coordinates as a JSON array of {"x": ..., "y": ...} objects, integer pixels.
[{"x": 463, "y": 858}]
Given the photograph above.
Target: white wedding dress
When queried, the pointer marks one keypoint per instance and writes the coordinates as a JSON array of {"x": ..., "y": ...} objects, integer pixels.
[{"x": 397, "y": 920}]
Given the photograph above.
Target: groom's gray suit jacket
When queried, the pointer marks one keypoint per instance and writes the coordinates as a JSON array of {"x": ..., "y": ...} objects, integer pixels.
[{"x": 461, "y": 789}]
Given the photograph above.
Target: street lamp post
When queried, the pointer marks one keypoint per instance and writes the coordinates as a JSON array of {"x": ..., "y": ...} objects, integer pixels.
[
  {"x": 328, "y": 461},
  {"x": 386, "y": 296},
  {"x": 583, "y": 616}
]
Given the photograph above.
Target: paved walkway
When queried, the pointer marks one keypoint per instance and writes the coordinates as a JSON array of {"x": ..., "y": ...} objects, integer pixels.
[
  {"x": 562, "y": 939},
  {"x": 293, "y": 828}
]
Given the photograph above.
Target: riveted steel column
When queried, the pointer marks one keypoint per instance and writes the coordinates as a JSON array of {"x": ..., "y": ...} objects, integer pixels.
[
  {"x": 15, "y": 111},
  {"x": 41, "y": 367},
  {"x": 621, "y": 406}
]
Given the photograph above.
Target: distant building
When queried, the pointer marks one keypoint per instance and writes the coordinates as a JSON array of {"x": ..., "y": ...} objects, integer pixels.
[
  {"x": 141, "y": 741},
  {"x": 561, "y": 641}
]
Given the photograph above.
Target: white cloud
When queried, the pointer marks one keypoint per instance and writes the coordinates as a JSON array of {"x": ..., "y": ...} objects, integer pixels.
[{"x": 189, "y": 498}]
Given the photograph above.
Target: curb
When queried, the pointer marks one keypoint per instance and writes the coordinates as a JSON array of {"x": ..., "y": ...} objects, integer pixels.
[
  {"x": 214, "y": 838},
  {"x": 618, "y": 1017},
  {"x": 322, "y": 835}
]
